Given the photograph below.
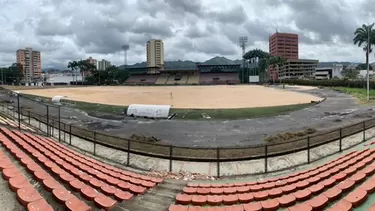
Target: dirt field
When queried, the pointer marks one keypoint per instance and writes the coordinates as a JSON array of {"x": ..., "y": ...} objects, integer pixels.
[{"x": 203, "y": 97}]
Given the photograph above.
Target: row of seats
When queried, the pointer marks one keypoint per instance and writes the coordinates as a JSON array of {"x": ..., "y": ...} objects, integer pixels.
[
  {"x": 27, "y": 195},
  {"x": 312, "y": 189},
  {"x": 12, "y": 123},
  {"x": 71, "y": 172}
]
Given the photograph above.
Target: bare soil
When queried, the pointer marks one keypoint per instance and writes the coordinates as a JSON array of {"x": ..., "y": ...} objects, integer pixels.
[{"x": 197, "y": 97}]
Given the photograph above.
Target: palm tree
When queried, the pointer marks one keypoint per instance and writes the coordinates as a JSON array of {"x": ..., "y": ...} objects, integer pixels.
[
  {"x": 73, "y": 65},
  {"x": 361, "y": 38},
  {"x": 276, "y": 62}
]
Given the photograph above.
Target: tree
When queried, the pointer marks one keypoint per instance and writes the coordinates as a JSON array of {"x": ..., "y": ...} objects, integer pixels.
[
  {"x": 260, "y": 59},
  {"x": 363, "y": 67},
  {"x": 276, "y": 62},
  {"x": 361, "y": 39},
  {"x": 73, "y": 65},
  {"x": 350, "y": 73},
  {"x": 17, "y": 72}
]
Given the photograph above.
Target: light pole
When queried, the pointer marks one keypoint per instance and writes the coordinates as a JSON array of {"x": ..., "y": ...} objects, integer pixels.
[
  {"x": 368, "y": 62},
  {"x": 125, "y": 48},
  {"x": 243, "y": 41}
]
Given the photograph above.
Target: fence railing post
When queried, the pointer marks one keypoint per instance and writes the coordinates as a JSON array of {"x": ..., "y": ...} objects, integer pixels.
[
  {"x": 19, "y": 111},
  {"x": 170, "y": 158},
  {"x": 47, "y": 121},
  {"x": 64, "y": 132},
  {"x": 128, "y": 156},
  {"x": 266, "y": 158},
  {"x": 59, "y": 128},
  {"x": 94, "y": 143},
  {"x": 340, "y": 143},
  {"x": 218, "y": 161},
  {"x": 364, "y": 131},
  {"x": 70, "y": 134},
  {"x": 308, "y": 149}
]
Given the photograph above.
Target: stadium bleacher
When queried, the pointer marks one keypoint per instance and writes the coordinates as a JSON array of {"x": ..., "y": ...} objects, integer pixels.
[
  {"x": 63, "y": 172},
  {"x": 219, "y": 78},
  {"x": 193, "y": 79},
  {"x": 163, "y": 78},
  {"x": 342, "y": 184},
  {"x": 143, "y": 79}
]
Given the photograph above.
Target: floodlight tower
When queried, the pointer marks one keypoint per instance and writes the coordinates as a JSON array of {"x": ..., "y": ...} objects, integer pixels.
[
  {"x": 125, "y": 48},
  {"x": 243, "y": 41}
]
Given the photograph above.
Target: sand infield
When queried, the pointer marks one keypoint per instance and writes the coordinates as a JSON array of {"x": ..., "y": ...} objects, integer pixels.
[{"x": 204, "y": 97}]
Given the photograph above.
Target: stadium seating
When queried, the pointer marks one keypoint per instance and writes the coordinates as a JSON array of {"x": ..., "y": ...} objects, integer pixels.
[
  {"x": 341, "y": 184},
  {"x": 163, "y": 78},
  {"x": 193, "y": 79},
  {"x": 177, "y": 79},
  {"x": 77, "y": 182},
  {"x": 142, "y": 79},
  {"x": 219, "y": 78}
]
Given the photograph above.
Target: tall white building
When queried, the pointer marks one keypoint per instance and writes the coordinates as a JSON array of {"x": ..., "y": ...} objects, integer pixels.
[
  {"x": 155, "y": 53},
  {"x": 103, "y": 64}
]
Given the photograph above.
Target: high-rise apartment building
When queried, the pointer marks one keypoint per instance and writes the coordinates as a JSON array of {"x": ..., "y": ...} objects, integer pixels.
[
  {"x": 155, "y": 54},
  {"x": 31, "y": 64},
  {"x": 93, "y": 61},
  {"x": 284, "y": 44},
  {"x": 103, "y": 64}
]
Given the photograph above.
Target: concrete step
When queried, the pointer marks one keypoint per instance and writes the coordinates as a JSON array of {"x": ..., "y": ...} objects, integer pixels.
[{"x": 158, "y": 198}]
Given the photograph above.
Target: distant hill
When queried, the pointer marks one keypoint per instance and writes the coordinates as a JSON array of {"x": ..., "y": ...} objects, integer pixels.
[
  {"x": 329, "y": 64},
  {"x": 189, "y": 64}
]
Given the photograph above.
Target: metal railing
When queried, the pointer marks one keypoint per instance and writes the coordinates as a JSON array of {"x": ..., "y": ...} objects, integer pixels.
[{"x": 48, "y": 116}]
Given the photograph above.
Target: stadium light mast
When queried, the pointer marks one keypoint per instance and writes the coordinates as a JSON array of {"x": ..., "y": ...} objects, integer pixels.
[
  {"x": 125, "y": 48},
  {"x": 243, "y": 41}
]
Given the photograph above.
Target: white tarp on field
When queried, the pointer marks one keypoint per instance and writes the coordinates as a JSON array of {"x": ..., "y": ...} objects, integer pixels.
[{"x": 150, "y": 111}]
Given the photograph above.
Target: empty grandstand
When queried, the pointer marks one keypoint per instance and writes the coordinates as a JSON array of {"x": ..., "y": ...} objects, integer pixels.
[
  {"x": 204, "y": 74},
  {"x": 218, "y": 74}
]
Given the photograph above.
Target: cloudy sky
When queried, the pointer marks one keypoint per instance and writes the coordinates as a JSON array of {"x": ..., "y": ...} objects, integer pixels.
[{"x": 191, "y": 29}]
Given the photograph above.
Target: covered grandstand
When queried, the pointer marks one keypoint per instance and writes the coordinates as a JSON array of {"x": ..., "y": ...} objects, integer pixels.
[{"x": 203, "y": 74}]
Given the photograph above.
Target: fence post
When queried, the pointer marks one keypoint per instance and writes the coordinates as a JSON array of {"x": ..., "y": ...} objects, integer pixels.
[
  {"x": 59, "y": 124},
  {"x": 308, "y": 149},
  {"x": 340, "y": 139},
  {"x": 128, "y": 157},
  {"x": 218, "y": 161},
  {"x": 19, "y": 111},
  {"x": 94, "y": 143},
  {"x": 364, "y": 131},
  {"x": 64, "y": 132},
  {"x": 47, "y": 121},
  {"x": 70, "y": 134},
  {"x": 170, "y": 158},
  {"x": 266, "y": 158}
]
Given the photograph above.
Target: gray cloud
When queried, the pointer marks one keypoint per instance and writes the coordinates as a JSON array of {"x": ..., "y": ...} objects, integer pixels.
[{"x": 191, "y": 29}]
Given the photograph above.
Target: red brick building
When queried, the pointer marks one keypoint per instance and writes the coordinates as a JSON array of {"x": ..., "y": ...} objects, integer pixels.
[{"x": 285, "y": 45}]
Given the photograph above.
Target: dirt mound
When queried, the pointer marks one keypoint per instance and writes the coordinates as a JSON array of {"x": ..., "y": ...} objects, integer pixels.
[{"x": 289, "y": 136}]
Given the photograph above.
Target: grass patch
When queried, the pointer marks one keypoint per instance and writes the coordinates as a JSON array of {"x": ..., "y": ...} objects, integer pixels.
[{"x": 359, "y": 93}]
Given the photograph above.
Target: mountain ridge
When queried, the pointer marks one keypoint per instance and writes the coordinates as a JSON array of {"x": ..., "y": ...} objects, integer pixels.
[{"x": 189, "y": 64}]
